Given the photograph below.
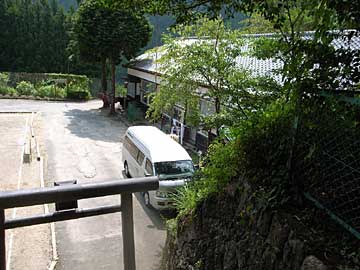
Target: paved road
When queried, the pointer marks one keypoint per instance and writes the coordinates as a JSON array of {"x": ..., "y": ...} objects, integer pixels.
[{"x": 84, "y": 144}]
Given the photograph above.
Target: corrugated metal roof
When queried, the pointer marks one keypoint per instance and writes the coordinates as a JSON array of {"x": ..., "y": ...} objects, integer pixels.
[{"x": 258, "y": 67}]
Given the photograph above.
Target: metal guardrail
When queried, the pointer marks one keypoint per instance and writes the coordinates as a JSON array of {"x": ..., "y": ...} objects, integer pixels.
[{"x": 66, "y": 193}]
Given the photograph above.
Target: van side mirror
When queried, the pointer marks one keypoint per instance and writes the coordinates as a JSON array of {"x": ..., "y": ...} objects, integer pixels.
[{"x": 197, "y": 167}]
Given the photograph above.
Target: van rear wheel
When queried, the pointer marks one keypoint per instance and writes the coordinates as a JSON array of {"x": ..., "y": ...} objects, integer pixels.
[
  {"x": 126, "y": 169},
  {"x": 146, "y": 199}
]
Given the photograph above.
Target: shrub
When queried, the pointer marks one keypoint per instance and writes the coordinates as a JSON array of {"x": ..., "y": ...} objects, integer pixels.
[
  {"x": 4, "y": 79},
  {"x": 78, "y": 90},
  {"x": 25, "y": 88},
  {"x": 50, "y": 91},
  {"x": 7, "y": 90},
  {"x": 259, "y": 153},
  {"x": 44, "y": 91},
  {"x": 11, "y": 91},
  {"x": 60, "y": 92},
  {"x": 120, "y": 90}
]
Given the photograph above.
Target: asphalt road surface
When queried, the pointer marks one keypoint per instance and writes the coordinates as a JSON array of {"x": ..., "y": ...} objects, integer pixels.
[{"x": 83, "y": 143}]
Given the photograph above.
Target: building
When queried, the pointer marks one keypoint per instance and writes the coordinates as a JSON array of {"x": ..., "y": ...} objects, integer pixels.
[{"x": 144, "y": 76}]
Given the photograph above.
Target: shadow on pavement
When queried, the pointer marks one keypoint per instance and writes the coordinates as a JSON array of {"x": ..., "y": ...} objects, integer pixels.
[{"x": 95, "y": 124}]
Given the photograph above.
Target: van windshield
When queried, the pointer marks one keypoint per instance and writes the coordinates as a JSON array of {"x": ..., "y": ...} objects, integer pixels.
[{"x": 174, "y": 169}]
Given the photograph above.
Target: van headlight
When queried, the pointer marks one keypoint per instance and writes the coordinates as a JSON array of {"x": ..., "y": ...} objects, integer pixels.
[{"x": 161, "y": 194}]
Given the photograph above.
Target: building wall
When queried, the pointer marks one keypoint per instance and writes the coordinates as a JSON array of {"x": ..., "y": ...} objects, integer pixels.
[{"x": 149, "y": 83}]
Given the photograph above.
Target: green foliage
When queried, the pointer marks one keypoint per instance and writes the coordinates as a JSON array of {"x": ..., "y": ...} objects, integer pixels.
[
  {"x": 46, "y": 78},
  {"x": 78, "y": 90},
  {"x": 34, "y": 37},
  {"x": 120, "y": 91},
  {"x": 256, "y": 24},
  {"x": 7, "y": 90},
  {"x": 264, "y": 132},
  {"x": 51, "y": 91},
  {"x": 210, "y": 61},
  {"x": 25, "y": 89},
  {"x": 171, "y": 225},
  {"x": 221, "y": 167},
  {"x": 104, "y": 31},
  {"x": 4, "y": 79}
]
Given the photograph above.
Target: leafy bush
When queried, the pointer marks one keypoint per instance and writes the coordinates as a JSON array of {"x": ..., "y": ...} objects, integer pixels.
[
  {"x": 25, "y": 88},
  {"x": 7, "y": 90},
  {"x": 259, "y": 153},
  {"x": 4, "y": 88},
  {"x": 44, "y": 91},
  {"x": 51, "y": 91},
  {"x": 4, "y": 79},
  {"x": 221, "y": 166},
  {"x": 120, "y": 91},
  {"x": 78, "y": 90}
]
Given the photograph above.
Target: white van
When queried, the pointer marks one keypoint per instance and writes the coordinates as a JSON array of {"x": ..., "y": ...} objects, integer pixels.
[{"x": 147, "y": 151}]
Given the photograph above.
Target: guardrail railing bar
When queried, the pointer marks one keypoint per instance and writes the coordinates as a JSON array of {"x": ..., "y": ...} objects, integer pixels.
[
  {"x": 61, "y": 216},
  {"x": 36, "y": 196},
  {"x": 66, "y": 193}
]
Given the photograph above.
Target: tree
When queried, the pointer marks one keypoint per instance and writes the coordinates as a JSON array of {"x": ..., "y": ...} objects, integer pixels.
[
  {"x": 104, "y": 32},
  {"x": 86, "y": 33},
  {"x": 124, "y": 33},
  {"x": 210, "y": 60}
]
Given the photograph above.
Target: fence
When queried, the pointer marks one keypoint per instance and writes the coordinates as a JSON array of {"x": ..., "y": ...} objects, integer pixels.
[
  {"x": 68, "y": 193},
  {"x": 328, "y": 159}
]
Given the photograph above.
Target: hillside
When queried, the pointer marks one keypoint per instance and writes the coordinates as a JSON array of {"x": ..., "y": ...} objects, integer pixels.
[{"x": 68, "y": 3}]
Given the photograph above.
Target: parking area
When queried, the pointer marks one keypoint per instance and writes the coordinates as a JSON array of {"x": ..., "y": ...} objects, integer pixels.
[
  {"x": 27, "y": 248},
  {"x": 80, "y": 141}
]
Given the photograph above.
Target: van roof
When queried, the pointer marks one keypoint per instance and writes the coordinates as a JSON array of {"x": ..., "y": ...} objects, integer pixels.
[{"x": 160, "y": 146}]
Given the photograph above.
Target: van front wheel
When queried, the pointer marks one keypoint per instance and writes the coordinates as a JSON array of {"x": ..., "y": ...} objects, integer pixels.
[
  {"x": 126, "y": 169},
  {"x": 146, "y": 199}
]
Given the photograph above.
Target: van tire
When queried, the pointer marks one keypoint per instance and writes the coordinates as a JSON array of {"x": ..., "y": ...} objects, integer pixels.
[
  {"x": 146, "y": 199},
  {"x": 126, "y": 169}
]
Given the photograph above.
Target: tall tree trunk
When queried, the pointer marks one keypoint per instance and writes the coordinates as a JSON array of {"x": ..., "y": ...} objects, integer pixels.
[
  {"x": 112, "y": 108},
  {"x": 104, "y": 84}
]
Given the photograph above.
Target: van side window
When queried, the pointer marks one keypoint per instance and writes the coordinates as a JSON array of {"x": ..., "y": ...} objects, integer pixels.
[
  {"x": 140, "y": 157},
  {"x": 131, "y": 147},
  {"x": 149, "y": 167}
]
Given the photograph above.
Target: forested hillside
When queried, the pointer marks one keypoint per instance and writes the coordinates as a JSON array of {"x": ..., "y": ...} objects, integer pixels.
[{"x": 33, "y": 36}]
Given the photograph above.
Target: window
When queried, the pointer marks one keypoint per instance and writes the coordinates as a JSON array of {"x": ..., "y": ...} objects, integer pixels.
[
  {"x": 174, "y": 168},
  {"x": 147, "y": 88},
  {"x": 131, "y": 147},
  {"x": 140, "y": 157},
  {"x": 149, "y": 167},
  {"x": 207, "y": 107},
  {"x": 179, "y": 114},
  {"x": 131, "y": 89}
]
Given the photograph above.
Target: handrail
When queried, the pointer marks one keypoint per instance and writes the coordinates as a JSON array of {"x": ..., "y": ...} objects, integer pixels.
[
  {"x": 36, "y": 196},
  {"x": 68, "y": 193}
]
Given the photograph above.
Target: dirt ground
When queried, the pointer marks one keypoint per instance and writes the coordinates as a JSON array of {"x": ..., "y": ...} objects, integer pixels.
[{"x": 29, "y": 247}]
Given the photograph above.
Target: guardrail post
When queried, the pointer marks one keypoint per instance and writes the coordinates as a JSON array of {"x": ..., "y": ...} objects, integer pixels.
[
  {"x": 128, "y": 231},
  {"x": 2, "y": 240}
]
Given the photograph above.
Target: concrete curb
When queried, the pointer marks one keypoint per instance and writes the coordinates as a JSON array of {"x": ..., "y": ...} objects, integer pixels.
[
  {"x": 55, "y": 256},
  {"x": 39, "y": 158}
]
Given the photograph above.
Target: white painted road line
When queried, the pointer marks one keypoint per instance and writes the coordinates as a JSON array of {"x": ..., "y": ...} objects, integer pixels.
[{"x": 8, "y": 265}]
